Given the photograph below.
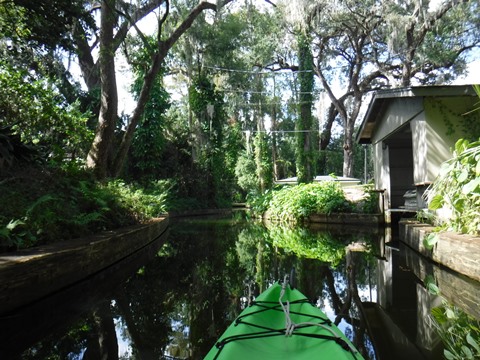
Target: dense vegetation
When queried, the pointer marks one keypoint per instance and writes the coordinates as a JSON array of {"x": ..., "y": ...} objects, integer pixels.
[
  {"x": 223, "y": 98},
  {"x": 457, "y": 189},
  {"x": 297, "y": 203},
  {"x": 44, "y": 204}
]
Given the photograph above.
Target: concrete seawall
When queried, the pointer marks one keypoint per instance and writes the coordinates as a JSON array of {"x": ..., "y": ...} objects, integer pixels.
[{"x": 29, "y": 275}]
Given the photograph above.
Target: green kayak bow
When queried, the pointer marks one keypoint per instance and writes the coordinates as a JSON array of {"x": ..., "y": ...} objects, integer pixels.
[{"x": 282, "y": 324}]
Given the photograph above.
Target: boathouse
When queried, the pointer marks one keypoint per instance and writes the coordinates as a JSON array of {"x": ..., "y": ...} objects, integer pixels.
[{"x": 413, "y": 131}]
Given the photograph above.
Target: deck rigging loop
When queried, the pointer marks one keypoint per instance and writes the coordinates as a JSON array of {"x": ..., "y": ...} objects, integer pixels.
[
  {"x": 290, "y": 326},
  {"x": 288, "y": 311}
]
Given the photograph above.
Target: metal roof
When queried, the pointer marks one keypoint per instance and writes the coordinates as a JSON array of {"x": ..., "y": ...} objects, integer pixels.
[{"x": 319, "y": 178}]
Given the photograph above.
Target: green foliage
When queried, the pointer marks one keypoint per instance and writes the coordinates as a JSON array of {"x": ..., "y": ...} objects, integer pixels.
[
  {"x": 425, "y": 216},
  {"x": 259, "y": 204},
  {"x": 457, "y": 188},
  {"x": 48, "y": 205},
  {"x": 36, "y": 111},
  {"x": 263, "y": 161},
  {"x": 304, "y": 243},
  {"x": 12, "y": 150},
  {"x": 15, "y": 235},
  {"x": 460, "y": 333},
  {"x": 149, "y": 139},
  {"x": 214, "y": 151},
  {"x": 431, "y": 285},
  {"x": 369, "y": 204},
  {"x": 304, "y": 148},
  {"x": 296, "y": 203},
  {"x": 430, "y": 240},
  {"x": 145, "y": 202},
  {"x": 42, "y": 23},
  {"x": 207, "y": 105},
  {"x": 245, "y": 173}
]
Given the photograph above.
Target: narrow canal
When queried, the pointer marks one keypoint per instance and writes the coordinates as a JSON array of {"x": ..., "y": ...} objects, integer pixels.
[{"x": 174, "y": 305}]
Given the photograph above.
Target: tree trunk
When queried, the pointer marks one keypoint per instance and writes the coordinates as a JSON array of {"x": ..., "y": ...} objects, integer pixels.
[
  {"x": 104, "y": 344},
  {"x": 348, "y": 148},
  {"x": 304, "y": 123},
  {"x": 101, "y": 157},
  {"x": 326, "y": 134},
  {"x": 349, "y": 130},
  {"x": 98, "y": 156},
  {"x": 163, "y": 48},
  {"x": 274, "y": 144}
]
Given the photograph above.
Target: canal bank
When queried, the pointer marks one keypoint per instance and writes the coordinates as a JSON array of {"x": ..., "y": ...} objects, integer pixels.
[
  {"x": 458, "y": 252},
  {"x": 203, "y": 268},
  {"x": 32, "y": 274}
]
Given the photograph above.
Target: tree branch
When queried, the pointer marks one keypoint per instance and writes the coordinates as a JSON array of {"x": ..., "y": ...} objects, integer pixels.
[
  {"x": 137, "y": 15},
  {"x": 157, "y": 60},
  {"x": 188, "y": 21}
]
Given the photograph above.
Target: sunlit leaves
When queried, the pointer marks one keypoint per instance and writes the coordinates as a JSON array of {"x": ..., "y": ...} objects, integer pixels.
[
  {"x": 430, "y": 240},
  {"x": 40, "y": 114},
  {"x": 436, "y": 202},
  {"x": 245, "y": 173},
  {"x": 431, "y": 286},
  {"x": 459, "y": 332},
  {"x": 471, "y": 341},
  {"x": 458, "y": 187},
  {"x": 295, "y": 203}
]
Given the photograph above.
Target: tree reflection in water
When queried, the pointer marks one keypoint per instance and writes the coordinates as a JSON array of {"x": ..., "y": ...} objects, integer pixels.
[
  {"x": 178, "y": 304},
  {"x": 215, "y": 270}
]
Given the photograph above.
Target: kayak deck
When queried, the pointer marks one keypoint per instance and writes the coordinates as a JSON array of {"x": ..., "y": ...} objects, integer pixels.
[{"x": 282, "y": 324}]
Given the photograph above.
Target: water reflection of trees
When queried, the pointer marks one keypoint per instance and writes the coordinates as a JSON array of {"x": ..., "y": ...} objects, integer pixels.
[
  {"x": 324, "y": 265},
  {"x": 188, "y": 294},
  {"x": 181, "y": 302}
]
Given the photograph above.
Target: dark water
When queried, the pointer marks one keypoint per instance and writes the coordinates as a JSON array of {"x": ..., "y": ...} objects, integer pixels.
[{"x": 175, "y": 304}]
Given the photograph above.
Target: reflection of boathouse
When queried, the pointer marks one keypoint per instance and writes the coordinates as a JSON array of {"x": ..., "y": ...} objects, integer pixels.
[
  {"x": 413, "y": 131},
  {"x": 399, "y": 321}
]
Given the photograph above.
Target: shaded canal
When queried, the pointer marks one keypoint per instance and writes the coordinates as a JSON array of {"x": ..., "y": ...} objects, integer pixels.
[{"x": 175, "y": 299}]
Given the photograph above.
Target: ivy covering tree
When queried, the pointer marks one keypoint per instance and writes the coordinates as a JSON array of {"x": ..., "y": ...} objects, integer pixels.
[
  {"x": 304, "y": 128},
  {"x": 210, "y": 124}
]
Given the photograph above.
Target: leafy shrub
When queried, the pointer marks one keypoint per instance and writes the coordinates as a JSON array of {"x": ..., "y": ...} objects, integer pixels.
[
  {"x": 369, "y": 204},
  {"x": 305, "y": 243},
  {"x": 457, "y": 188},
  {"x": 300, "y": 201},
  {"x": 260, "y": 204},
  {"x": 245, "y": 173},
  {"x": 37, "y": 112},
  {"x": 47, "y": 205},
  {"x": 143, "y": 202},
  {"x": 460, "y": 333}
]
